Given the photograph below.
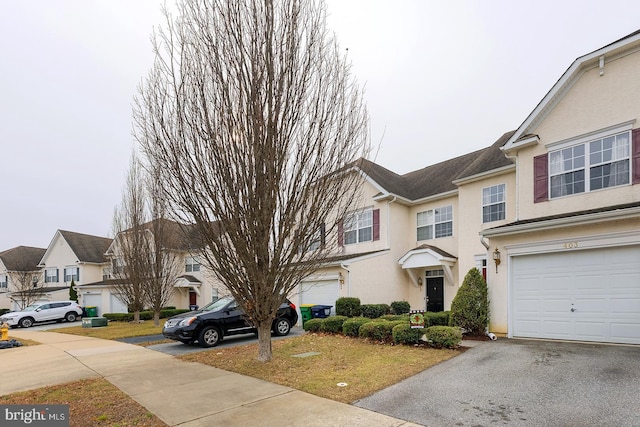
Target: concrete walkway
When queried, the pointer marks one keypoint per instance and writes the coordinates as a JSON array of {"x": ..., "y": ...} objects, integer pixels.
[{"x": 178, "y": 392}]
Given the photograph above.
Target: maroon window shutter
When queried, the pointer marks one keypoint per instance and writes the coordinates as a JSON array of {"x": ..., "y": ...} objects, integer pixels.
[
  {"x": 376, "y": 224},
  {"x": 635, "y": 156},
  {"x": 341, "y": 233},
  {"x": 322, "y": 234},
  {"x": 540, "y": 178}
]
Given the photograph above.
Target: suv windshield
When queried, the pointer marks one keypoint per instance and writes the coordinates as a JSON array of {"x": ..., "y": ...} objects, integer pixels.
[
  {"x": 31, "y": 307},
  {"x": 218, "y": 304}
]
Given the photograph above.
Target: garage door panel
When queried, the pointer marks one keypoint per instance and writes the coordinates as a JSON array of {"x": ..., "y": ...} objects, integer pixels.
[
  {"x": 602, "y": 285},
  {"x": 321, "y": 292}
]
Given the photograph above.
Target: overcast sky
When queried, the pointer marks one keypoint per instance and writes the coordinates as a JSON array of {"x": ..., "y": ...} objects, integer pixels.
[{"x": 443, "y": 78}]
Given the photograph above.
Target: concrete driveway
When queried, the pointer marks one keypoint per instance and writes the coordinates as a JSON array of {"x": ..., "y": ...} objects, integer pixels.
[{"x": 521, "y": 383}]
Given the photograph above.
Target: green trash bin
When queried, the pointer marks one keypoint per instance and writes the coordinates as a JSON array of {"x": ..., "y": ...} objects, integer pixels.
[
  {"x": 91, "y": 311},
  {"x": 305, "y": 311}
]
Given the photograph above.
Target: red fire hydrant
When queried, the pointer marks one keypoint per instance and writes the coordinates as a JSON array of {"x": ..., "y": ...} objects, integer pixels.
[{"x": 4, "y": 332}]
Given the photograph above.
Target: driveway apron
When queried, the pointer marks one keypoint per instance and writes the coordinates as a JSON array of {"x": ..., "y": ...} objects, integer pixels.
[{"x": 521, "y": 383}]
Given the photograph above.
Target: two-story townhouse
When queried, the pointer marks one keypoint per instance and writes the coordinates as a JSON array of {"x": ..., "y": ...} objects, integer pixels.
[
  {"x": 20, "y": 275},
  {"x": 570, "y": 257},
  {"x": 194, "y": 284},
  {"x": 73, "y": 257},
  {"x": 415, "y": 236}
]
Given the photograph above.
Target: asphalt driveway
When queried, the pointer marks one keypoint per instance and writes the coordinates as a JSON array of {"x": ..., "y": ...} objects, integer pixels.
[{"x": 521, "y": 383}]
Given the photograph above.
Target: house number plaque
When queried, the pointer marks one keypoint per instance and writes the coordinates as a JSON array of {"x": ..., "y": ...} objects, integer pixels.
[{"x": 570, "y": 245}]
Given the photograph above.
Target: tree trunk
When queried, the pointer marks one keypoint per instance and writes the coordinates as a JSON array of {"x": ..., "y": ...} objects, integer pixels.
[
  {"x": 264, "y": 341},
  {"x": 156, "y": 318},
  {"x": 136, "y": 316}
]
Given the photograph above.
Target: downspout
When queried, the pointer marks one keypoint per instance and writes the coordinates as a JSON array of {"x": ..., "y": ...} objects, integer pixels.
[
  {"x": 389, "y": 221},
  {"x": 348, "y": 278}
]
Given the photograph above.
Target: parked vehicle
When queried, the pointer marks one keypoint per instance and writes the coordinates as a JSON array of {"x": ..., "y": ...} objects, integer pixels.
[
  {"x": 43, "y": 312},
  {"x": 210, "y": 324}
]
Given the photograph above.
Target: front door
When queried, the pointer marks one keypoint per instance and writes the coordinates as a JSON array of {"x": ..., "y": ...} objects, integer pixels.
[
  {"x": 193, "y": 298},
  {"x": 435, "y": 294}
]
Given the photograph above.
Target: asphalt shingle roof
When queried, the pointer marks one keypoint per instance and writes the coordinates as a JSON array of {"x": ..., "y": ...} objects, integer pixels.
[
  {"x": 86, "y": 247},
  {"x": 22, "y": 258}
]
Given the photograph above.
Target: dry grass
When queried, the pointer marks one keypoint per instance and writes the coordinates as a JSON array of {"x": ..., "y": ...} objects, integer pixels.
[
  {"x": 365, "y": 367},
  {"x": 116, "y": 330},
  {"x": 93, "y": 402}
]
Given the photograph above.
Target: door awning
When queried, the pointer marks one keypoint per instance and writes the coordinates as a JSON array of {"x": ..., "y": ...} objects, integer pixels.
[
  {"x": 188, "y": 281},
  {"x": 426, "y": 256}
]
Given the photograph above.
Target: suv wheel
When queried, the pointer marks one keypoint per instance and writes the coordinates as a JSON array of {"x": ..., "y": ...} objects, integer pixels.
[
  {"x": 281, "y": 327},
  {"x": 209, "y": 337},
  {"x": 26, "y": 322},
  {"x": 70, "y": 316}
]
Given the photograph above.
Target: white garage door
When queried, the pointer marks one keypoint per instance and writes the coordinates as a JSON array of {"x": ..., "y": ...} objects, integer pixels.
[
  {"x": 320, "y": 292},
  {"x": 93, "y": 300},
  {"x": 590, "y": 295},
  {"x": 117, "y": 306}
]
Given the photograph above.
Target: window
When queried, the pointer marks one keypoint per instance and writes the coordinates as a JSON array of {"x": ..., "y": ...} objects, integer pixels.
[
  {"x": 4, "y": 281},
  {"x": 358, "y": 227},
  {"x": 192, "y": 264},
  {"x": 71, "y": 273},
  {"x": 435, "y": 223},
  {"x": 318, "y": 239},
  {"x": 594, "y": 165},
  {"x": 51, "y": 275},
  {"x": 493, "y": 203}
]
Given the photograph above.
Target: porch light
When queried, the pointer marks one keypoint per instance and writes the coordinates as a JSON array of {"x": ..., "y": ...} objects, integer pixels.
[
  {"x": 419, "y": 281},
  {"x": 496, "y": 258},
  {"x": 341, "y": 278}
]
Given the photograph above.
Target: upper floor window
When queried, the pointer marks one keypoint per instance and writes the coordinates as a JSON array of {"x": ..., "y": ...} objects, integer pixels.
[
  {"x": 318, "y": 239},
  {"x": 192, "y": 264},
  {"x": 435, "y": 223},
  {"x": 493, "y": 203},
  {"x": 358, "y": 227},
  {"x": 71, "y": 274},
  {"x": 51, "y": 275},
  {"x": 4, "y": 281},
  {"x": 593, "y": 165}
]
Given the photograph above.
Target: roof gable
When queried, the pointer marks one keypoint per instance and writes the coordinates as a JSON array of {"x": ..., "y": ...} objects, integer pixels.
[{"x": 523, "y": 135}]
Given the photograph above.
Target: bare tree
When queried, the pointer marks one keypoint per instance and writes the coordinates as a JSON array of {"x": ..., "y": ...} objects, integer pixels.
[
  {"x": 252, "y": 115},
  {"x": 26, "y": 287},
  {"x": 129, "y": 259}
]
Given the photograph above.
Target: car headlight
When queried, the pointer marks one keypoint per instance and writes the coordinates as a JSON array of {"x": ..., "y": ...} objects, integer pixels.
[{"x": 187, "y": 321}]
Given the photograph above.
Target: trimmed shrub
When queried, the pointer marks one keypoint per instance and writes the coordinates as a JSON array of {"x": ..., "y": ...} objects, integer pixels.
[
  {"x": 312, "y": 325},
  {"x": 351, "y": 326},
  {"x": 440, "y": 318},
  {"x": 73, "y": 294},
  {"x": 144, "y": 315},
  {"x": 444, "y": 336},
  {"x": 379, "y": 330},
  {"x": 404, "y": 334},
  {"x": 348, "y": 306},
  {"x": 400, "y": 307},
  {"x": 470, "y": 306},
  {"x": 373, "y": 311},
  {"x": 333, "y": 324},
  {"x": 394, "y": 317}
]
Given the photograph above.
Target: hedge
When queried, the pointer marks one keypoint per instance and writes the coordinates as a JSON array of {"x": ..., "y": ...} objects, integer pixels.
[
  {"x": 373, "y": 311},
  {"x": 440, "y": 318},
  {"x": 313, "y": 325},
  {"x": 351, "y": 327},
  {"x": 444, "y": 336},
  {"x": 144, "y": 315},
  {"x": 333, "y": 324},
  {"x": 400, "y": 307},
  {"x": 394, "y": 317},
  {"x": 379, "y": 330},
  {"x": 404, "y": 334},
  {"x": 348, "y": 306}
]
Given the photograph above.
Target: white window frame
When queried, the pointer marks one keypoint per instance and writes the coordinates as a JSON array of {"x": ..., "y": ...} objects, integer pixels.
[
  {"x": 430, "y": 220},
  {"x": 75, "y": 276},
  {"x": 191, "y": 264},
  {"x": 358, "y": 227},
  {"x": 494, "y": 196},
  {"x": 48, "y": 278},
  {"x": 4, "y": 281},
  {"x": 564, "y": 162}
]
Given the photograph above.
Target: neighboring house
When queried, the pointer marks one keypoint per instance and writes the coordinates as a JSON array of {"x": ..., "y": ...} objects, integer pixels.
[
  {"x": 194, "y": 285},
  {"x": 20, "y": 275},
  {"x": 73, "y": 257},
  {"x": 550, "y": 213}
]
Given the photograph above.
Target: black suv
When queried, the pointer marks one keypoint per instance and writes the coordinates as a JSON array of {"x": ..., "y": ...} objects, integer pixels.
[{"x": 221, "y": 318}]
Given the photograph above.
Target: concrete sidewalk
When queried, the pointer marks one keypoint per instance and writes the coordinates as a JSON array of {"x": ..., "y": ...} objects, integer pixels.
[{"x": 179, "y": 393}]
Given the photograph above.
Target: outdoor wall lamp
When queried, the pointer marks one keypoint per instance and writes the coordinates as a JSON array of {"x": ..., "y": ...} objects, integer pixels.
[
  {"x": 341, "y": 278},
  {"x": 419, "y": 281},
  {"x": 496, "y": 258}
]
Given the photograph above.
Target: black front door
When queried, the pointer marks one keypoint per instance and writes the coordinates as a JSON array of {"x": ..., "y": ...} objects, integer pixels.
[{"x": 435, "y": 294}]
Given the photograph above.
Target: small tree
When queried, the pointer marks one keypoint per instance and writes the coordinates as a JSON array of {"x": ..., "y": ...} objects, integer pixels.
[
  {"x": 73, "y": 294},
  {"x": 470, "y": 307}
]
